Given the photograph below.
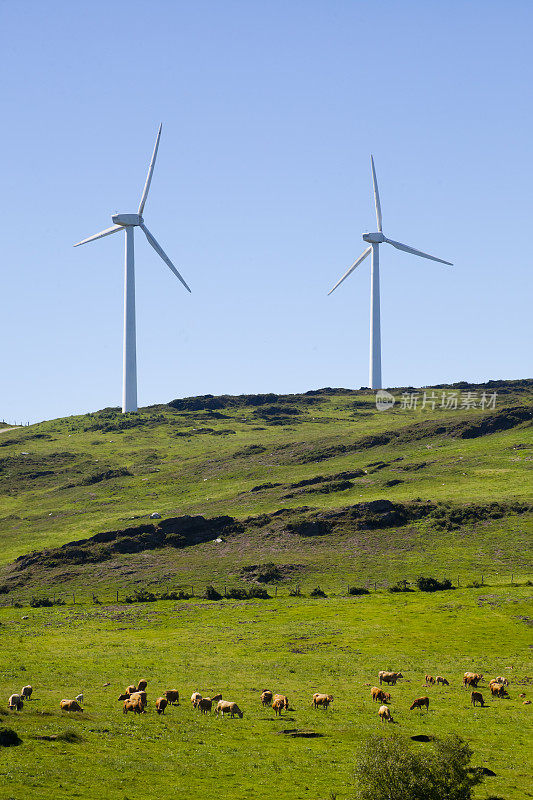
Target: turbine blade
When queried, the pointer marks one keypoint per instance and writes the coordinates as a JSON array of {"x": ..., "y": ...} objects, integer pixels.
[
  {"x": 150, "y": 172},
  {"x": 107, "y": 232},
  {"x": 354, "y": 265},
  {"x": 400, "y": 246},
  {"x": 376, "y": 194},
  {"x": 160, "y": 252}
]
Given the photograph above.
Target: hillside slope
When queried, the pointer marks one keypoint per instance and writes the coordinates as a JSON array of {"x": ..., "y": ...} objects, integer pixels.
[{"x": 457, "y": 482}]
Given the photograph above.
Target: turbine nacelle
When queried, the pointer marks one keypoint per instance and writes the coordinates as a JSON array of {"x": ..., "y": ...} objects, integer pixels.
[
  {"x": 127, "y": 219},
  {"x": 373, "y": 238}
]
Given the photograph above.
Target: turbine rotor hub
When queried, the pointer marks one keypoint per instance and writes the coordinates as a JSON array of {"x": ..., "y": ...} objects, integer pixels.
[
  {"x": 127, "y": 219},
  {"x": 374, "y": 238}
]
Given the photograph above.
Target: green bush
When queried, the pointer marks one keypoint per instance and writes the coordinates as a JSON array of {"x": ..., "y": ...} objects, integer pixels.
[
  {"x": 387, "y": 769},
  {"x": 401, "y": 586},
  {"x": 9, "y": 737},
  {"x": 212, "y": 594},
  {"x": 432, "y": 584},
  {"x": 46, "y": 602},
  {"x": 357, "y": 590},
  {"x": 317, "y": 593}
]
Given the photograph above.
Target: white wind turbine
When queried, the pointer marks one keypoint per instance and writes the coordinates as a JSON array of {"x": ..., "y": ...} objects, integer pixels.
[
  {"x": 375, "y": 239},
  {"x": 127, "y": 223}
]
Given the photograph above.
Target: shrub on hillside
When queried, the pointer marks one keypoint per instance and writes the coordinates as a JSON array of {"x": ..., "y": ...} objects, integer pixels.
[
  {"x": 357, "y": 590},
  {"x": 317, "y": 593},
  {"x": 212, "y": 594},
  {"x": 387, "y": 769},
  {"x": 432, "y": 584},
  {"x": 9, "y": 737},
  {"x": 401, "y": 586},
  {"x": 258, "y": 593},
  {"x": 46, "y": 602}
]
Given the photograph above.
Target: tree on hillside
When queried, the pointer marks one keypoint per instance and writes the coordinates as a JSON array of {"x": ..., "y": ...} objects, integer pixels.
[{"x": 387, "y": 769}]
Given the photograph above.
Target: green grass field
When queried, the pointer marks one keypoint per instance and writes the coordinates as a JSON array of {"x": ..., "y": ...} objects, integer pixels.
[
  {"x": 460, "y": 478},
  {"x": 293, "y": 645}
]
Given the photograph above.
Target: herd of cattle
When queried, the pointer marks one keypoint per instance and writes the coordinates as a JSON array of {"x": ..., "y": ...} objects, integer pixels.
[{"x": 135, "y": 699}]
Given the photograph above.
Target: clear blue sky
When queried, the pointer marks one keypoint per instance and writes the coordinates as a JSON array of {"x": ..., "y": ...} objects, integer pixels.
[{"x": 261, "y": 193}]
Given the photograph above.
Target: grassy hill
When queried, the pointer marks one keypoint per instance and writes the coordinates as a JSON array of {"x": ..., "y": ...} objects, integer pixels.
[
  {"x": 276, "y": 492},
  {"x": 295, "y": 473}
]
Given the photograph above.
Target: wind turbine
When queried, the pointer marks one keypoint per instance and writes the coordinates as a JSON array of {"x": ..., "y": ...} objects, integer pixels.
[
  {"x": 127, "y": 223},
  {"x": 375, "y": 239}
]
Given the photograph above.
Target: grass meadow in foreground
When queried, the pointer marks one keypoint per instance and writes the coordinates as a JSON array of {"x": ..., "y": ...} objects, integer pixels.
[{"x": 296, "y": 646}]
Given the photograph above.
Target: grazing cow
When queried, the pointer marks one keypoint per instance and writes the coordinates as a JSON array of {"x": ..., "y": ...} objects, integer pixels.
[
  {"x": 228, "y": 707},
  {"x": 441, "y": 680},
  {"x": 15, "y": 703},
  {"x": 503, "y": 681},
  {"x": 142, "y": 685},
  {"x": 266, "y": 697},
  {"x": 205, "y": 704},
  {"x": 216, "y": 698},
  {"x": 284, "y": 700},
  {"x": 26, "y": 692},
  {"x": 420, "y": 702},
  {"x": 140, "y": 697},
  {"x": 477, "y": 697},
  {"x": 195, "y": 697},
  {"x": 173, "y": 696},
  {"x": 131, "y": 689},
  {"x": 389, "y": 677},
  {"x": 160, "y": 704},
  {"x": 278, "y": 705},
  {"x": 70, "y": 705},
  {"x": 379, "y": 694},
  {"x": 472, "y": 679},
  {"x": 498, "y": 690},
  {"x": 133, "y": 704},
  {"x": 124, "y": 696},
  {"x": 384, "y": 714},
  {"x": 430, "y": 679},
  {"x": 79, "y": 698},
  {"x": 322, "y": 700}
]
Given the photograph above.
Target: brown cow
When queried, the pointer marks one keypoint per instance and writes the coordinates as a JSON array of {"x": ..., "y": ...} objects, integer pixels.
[
  {"x": 134, "y": 704},
  {"x": 142, "y": 685},
  {"x": 160, "y": 704},
  {"x": 195, "y": 697},
  {"x": 141, "y": 696},
  {"x": 477, "y": 697},
  {"x": 441, "y": 680},
  {"x": 322, "y": 700},
  {"x": 15, "y": 703},
  {"x": 498, "y": 690},
  {"x": 430, "y": 679},
  {"x": 26, "y": 692},
  {"x": 420, "y": 702},
  {"x": 278, "y": 705},
  {"x": 124, "y": 696},
  {"x": 284, "y": 699},
  {"x": 379, "y": 694},
  {"x": 131, "y": 689},
  {"x": 173, "y": 696},
  {"x": 205, "y": 704},
  {"x": 472, "y": 679},
  {"x": 384, "y": 714},
  {"x": 228, "y": 707},
  {"x": 266, "y": 697},
  {"x": 389, "y": 677},
  {"x": 70, "y": 705}
]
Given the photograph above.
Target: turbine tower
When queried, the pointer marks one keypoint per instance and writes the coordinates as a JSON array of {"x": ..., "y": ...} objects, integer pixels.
[
  {"x": 128, "y": 223},
  {"x": 375, "y": 239}
]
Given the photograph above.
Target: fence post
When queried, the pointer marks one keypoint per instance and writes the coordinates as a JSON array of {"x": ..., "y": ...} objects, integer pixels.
[
  {"x": 482, "y": 580},
  {"x": 73, "y": 599}
]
